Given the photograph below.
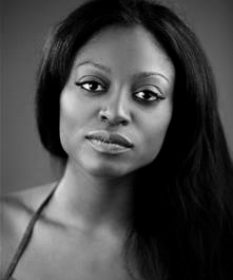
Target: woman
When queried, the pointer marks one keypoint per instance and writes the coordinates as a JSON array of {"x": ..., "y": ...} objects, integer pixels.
[{"x": 126, "y": 101}]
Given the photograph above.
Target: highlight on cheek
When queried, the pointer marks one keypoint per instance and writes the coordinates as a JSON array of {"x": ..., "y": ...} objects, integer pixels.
[{"x": 68, "y": 102}]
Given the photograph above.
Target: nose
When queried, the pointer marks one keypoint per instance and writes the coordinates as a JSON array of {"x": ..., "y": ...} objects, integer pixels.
[{"x": 115, "y": 110}]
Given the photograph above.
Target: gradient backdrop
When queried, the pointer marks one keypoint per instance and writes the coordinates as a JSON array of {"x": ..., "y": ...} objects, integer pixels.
[{"x": 24, "y": 25}]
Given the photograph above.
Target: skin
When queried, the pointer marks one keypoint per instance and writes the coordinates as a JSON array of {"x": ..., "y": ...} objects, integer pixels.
[
  {"x": 86, "y": 221},
  {"x": 118, "y": 89}
]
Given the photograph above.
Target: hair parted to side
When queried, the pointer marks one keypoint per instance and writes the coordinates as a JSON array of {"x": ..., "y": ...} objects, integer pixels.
[{"x": 182, "y": 223}]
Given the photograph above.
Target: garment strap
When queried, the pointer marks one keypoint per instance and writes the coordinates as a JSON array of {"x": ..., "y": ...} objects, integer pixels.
[{"x": 27, "y": 237}]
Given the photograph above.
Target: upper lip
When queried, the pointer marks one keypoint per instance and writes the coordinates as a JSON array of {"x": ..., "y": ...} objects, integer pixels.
[{"x": 110, "y": 137}]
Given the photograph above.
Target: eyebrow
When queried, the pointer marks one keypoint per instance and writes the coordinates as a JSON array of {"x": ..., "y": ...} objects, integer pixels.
[
  {"x": 149, "y": 74},
  {"x": 95, "y": 64},
  {"x": 135, "y": 76}
]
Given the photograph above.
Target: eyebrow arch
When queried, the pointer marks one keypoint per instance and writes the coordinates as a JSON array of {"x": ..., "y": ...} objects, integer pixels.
[
  {"x": 95, "y": 64},
  {"x": 149, "y": 74},
  {"x": 108, "y": 70}
]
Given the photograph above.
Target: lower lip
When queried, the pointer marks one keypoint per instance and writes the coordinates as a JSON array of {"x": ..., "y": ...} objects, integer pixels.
[{"x": 107, "y": 148}]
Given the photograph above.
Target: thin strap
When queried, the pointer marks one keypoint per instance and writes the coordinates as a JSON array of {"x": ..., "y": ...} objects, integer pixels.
[{"x": 27, "y": 237}]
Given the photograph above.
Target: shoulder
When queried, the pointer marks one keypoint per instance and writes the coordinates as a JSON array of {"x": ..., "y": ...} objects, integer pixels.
[
  {"x": 16, "y": 210},
  {"x": 23, "y": 203}
]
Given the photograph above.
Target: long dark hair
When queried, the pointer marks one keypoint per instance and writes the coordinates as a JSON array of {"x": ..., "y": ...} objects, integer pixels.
[{"x": 182, "y": 216}]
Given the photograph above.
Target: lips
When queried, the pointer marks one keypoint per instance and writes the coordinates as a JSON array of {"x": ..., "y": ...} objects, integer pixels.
[{"x": 105, "y": 141}]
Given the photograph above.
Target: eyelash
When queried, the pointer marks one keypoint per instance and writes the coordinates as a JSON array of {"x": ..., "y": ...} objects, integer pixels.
[
  {"x": 82, "y": 85},
  {"x": 154, "y": 96}
]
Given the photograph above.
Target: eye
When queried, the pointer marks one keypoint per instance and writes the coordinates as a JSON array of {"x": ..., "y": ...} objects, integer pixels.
[
  {"x": 91, "y": 86},
  {"x": 148, "y": 96}
]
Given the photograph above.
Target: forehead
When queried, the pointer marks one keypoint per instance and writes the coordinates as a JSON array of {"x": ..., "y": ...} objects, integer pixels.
[{"x": 135, "y": 48}]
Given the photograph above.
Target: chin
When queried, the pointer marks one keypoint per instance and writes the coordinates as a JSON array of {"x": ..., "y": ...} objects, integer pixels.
[
  {"x": 110, "y": 166},
  {"x": 107, "y": 171}
]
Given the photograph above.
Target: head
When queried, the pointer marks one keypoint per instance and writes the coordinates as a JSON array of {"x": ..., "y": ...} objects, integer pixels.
[
  {"x": 117, "y": 103},
  {"x": 194, "y": 109}
]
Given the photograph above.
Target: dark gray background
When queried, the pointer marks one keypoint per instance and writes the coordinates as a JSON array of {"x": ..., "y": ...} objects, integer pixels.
[{"x": 24, "y": 26}]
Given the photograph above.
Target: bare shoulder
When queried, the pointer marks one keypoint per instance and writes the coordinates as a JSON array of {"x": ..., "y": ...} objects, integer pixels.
[
  {"x": 22, "y": 203},
  {"x": 16, "y": 210},
  {"x": 27, "y": 198}
]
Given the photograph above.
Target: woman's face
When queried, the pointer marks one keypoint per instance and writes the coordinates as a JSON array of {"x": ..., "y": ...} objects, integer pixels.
[{"x": 117, "y": 103}]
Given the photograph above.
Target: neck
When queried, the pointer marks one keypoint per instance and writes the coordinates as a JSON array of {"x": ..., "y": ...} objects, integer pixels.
[{"x": 90, "y": 201}]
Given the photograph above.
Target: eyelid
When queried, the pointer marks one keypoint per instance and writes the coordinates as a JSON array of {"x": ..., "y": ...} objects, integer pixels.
[
  {"x": 91, "y": 78},
  {"x": 155, "y": 95},
  {"x": 85, "y": 83},
  {"x": 148, "y": 95},
  {"x": 152, "y": 88}
]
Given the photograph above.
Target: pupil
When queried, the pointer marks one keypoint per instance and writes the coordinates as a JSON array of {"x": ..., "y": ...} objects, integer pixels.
[
  {"x": 94, "y": 86},
  {"x": 146, "y": 95}
]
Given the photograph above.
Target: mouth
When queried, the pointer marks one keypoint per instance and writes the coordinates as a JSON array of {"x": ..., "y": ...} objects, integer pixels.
[{"x": 110, "y": 143}]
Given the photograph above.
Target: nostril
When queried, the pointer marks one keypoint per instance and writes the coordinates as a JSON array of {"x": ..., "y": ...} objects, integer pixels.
[
  {"x": 103, "y": 116},
  {"x": 124, "y": 122},
  {"x": 106, "y": 116}
]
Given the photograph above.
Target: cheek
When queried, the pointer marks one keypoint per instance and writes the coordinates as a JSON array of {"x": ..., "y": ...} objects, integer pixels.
[
  {"x": 70, "y": 118},
  {"x": 155, "y": 131}
]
